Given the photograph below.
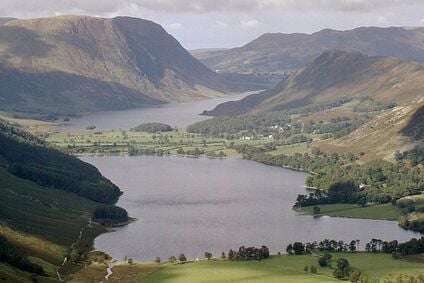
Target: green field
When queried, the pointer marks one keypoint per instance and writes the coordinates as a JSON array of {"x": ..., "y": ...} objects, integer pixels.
[
  {"x": 276, "y": 269},
  {"x": 117, "y": 143},
  {"x": 370, "y": 211}
]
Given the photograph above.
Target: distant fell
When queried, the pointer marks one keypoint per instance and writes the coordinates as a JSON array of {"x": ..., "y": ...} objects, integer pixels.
[
  {"x": 281, "y": 52},
  {"x": 333, "y": 75}
]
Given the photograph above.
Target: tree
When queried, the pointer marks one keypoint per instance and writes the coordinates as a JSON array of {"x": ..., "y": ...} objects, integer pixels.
[
  {"x": 298, "y": 248},
  {"x": 313, "y": 269},
  {"x": 223, "y": 255},
  {"x": 352, "y": 246},
  {"x": 343, "y": 269},
  {"x": 289, "y": 249},
  {"x": 264, "y": 251},
  {"x": 324, "y": 261},
  {"x": 172, "y": 259},
  {"x": 208, "y": 255},
  {"x": 342, "y": 192},
  {"x": 231, "y": 255},
  {"x": 362, "y": 201},
  {"x": 182, "y": 258},
  {"x": 306, "y": 268},
  {"x": 157, "y": 260}
]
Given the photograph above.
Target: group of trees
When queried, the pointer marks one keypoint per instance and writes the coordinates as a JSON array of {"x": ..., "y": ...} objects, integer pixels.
[
  {"x": 193, "y": 152},
  {"x": 109, "y": 215},
  {"x": 28, "y": 158},
  {"x": 227, "y": 126},
  {"x": 415, "y": 156},
  {"x": 152, "y": 128},
  {"x": 10, "y": 255},
  {"x": 134, "y": 151},
  {"x": 381, "y": 181},
  {"x": 327, "y": 245},
  {"x": 281, "y": 126},
  {"x": 413, "y": 246},
  {"x": 250, "y": 253},
  {"x": 182, "y": 258},
  {"x": 342, "y": 191},
  {"x": 342, "y": 269}
]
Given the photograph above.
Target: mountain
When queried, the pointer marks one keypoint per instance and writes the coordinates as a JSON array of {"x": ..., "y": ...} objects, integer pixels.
[
  {"x": 4, "y": 21},
  {"x": 204, "y": 53},
  {"x": 280, "y": 52},
  {"x": 47, "y": 201},
  {"x": 333, "y": 75},
  {"x": 73, "y": 64}
]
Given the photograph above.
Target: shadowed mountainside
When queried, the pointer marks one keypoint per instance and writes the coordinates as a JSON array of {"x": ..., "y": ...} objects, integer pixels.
[{"x": 72, "y": 64}]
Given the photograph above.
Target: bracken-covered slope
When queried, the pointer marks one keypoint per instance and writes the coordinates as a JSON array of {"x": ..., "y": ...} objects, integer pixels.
[
  {"x": 399, "y": 129},
  {"x": 279, "y": 52},
  {"x": 72, "y": 64},
  {"x": 333, "y": 75}
]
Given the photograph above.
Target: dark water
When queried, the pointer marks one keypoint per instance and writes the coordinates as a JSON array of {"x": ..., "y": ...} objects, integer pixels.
[
  {"x": 174, "y": 114},
  {"x": 186, "y": 205}
]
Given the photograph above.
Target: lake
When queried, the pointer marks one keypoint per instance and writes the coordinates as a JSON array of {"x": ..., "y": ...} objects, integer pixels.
[
  {"x": 174, "y": 114},
  {"x": 193, "y": 205}
]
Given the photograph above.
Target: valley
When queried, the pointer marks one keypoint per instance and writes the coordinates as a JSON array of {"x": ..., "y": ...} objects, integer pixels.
[{"x": 126, "y": 158}]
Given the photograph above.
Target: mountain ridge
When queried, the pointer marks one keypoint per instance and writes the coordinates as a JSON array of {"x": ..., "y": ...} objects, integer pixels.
[
  {"x": 282, "y": 52},
  {"x": 134, "y": 62},
  {"x": 334, "y": 74}
]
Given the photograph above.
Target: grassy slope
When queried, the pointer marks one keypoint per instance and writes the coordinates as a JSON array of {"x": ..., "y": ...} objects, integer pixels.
[
  {"x": 95, "y": 272},
  {"x": 13, "y": 275},
  {"x": 373, "y": 211},
  {"x": 54, "y": 215},
  {"x": 41, "y": 223},
  {"x": 280, "y": 269}
]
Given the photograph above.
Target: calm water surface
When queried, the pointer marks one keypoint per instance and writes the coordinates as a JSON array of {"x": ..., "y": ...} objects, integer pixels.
[
  {"x": 174, "y": 114},
  {"x": 187, "y": 205}
]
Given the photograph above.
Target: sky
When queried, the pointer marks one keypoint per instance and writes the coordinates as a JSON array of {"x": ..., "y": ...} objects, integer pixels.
[{"x": 231, "y": 23}]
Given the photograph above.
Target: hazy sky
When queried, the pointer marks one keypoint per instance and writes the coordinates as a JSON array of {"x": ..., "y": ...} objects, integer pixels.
[{"x": 229, "y": 23}]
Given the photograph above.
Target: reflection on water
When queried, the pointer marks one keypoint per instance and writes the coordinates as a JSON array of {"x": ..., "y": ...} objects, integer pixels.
[
  {"x": 187, "y": 205},
  {"x": 175, "y": 114}
]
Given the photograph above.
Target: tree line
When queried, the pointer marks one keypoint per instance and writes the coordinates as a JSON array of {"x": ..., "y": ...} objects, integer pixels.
[
  {"x": 27, "y": 158},
  {"x": 411, "y": 247}
]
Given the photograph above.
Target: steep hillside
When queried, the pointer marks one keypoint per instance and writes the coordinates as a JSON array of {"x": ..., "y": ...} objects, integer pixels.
[
  {"x": 47, "y": 201},
  {"x": 335, "y": 75},
  {"x": 72, "y": 64},
  {"x": 397, "y": 130},
  {"x": 279, "y": 52}
]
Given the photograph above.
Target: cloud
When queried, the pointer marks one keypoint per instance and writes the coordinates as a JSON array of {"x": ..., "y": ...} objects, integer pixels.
[
  {"x": 175, "y": 26},
  {"x": 206, "y": 6},
  {"x": 382, "y": 20},
  {"x": 105, "y": 7},
  {"x": 220, "y": 24},
  {"x": 249, "y": 23}
]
